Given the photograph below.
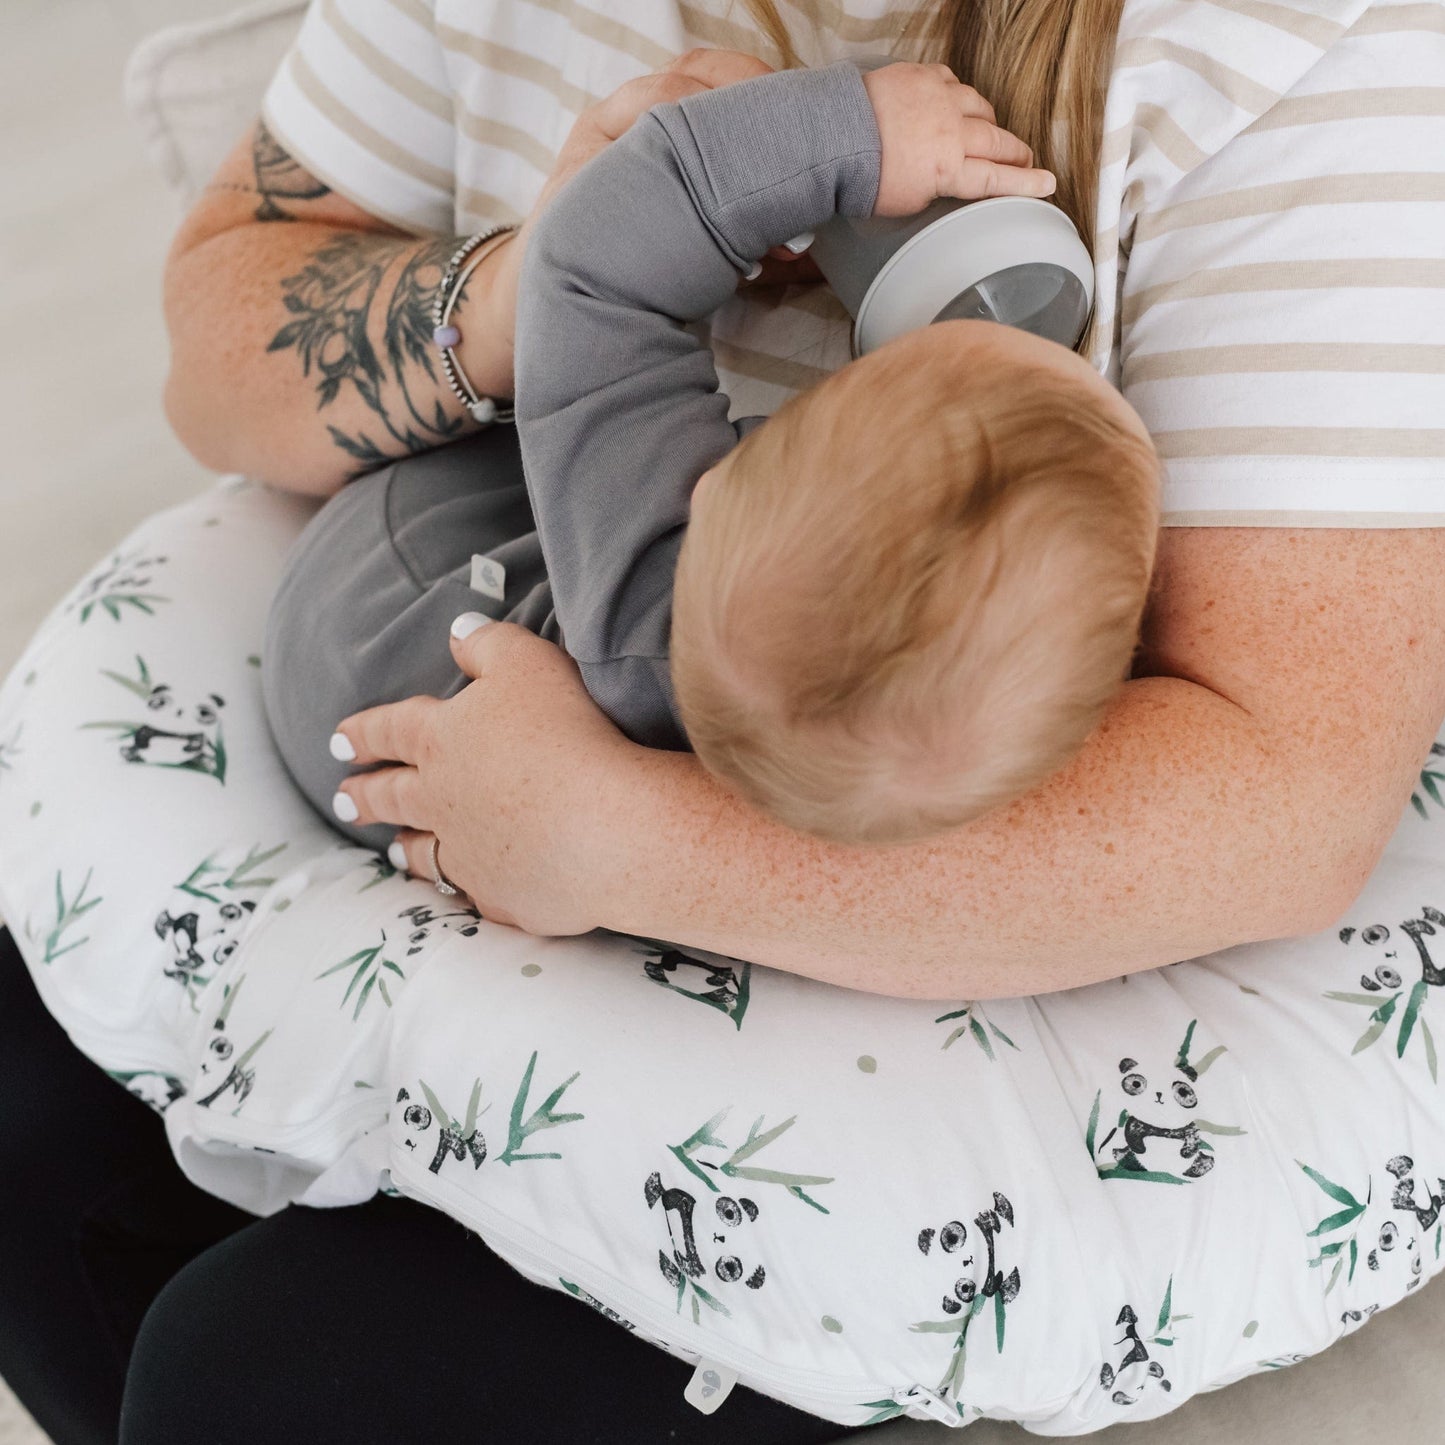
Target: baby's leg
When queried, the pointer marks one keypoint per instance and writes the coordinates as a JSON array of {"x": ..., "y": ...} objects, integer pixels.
[{"x": 370, "y": 591}]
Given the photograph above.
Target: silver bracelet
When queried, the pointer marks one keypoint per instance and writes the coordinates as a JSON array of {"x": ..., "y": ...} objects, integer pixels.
[{"x": 446, "y": 337}]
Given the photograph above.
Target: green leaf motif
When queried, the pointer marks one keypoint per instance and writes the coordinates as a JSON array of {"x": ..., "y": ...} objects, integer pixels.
[
  {"x": 1412, "y": 1012},
  {"x": 68, "y": 912},
  {"x": 1337, "y": 1192},
  {"x": 520, "y": 1130}
]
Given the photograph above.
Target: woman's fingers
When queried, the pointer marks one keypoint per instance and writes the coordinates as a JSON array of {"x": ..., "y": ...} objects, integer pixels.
[
  {"x": 716, "y": 68},
  {"x": 972, "y": 102},
  {"x": 410, "y": 852},
  {"x": 390, "y": 734},
  {"x": 388, "y": 795},
  {"x": 990, "y": 142},
  {"x": 980, "y": 179}
]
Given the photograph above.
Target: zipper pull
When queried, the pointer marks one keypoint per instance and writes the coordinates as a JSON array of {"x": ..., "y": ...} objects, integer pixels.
[
  {"x": 933, "y": 1405},
  {"x": 710, "y": 1385}
]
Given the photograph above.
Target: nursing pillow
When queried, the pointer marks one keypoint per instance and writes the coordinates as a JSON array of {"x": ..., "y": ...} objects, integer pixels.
[{"x": 1066, "y": 1210}]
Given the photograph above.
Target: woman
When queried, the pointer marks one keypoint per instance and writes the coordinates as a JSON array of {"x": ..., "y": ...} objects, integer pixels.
[{"x": 1270, "y": 321}]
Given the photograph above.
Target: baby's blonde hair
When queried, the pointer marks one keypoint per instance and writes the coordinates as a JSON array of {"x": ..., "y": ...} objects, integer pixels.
[{"x": 909, "y": 596}]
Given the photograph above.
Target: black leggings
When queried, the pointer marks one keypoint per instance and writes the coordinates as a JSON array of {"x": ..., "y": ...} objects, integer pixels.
[{"x": 135, "y": 1308}]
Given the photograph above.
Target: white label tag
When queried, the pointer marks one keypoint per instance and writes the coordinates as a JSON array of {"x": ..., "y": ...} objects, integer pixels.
[
  {"x": 489, "y": 578},
  {"x": 710, "y": 1385}
]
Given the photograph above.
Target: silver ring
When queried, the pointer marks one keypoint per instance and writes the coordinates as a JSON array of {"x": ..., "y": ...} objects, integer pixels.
[{"x": 444, "y": 885}]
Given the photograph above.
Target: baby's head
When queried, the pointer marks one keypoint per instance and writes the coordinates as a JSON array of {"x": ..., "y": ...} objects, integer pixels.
[{"x": 909, "y": 596}]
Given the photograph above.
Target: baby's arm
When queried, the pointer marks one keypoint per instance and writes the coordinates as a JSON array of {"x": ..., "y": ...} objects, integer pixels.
[{"x": 618, "y": 406}]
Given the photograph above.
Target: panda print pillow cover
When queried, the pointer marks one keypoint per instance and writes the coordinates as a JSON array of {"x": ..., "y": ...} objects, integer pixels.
[{"x": 1067, "y": 1210}]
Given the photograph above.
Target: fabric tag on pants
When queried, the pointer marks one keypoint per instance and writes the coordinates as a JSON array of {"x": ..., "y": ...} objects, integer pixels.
[{"x": 489, "y": 578}]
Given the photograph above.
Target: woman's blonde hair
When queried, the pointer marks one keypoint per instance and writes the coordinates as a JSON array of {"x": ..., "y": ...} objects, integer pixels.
[{"x": 1043, "y": 64}]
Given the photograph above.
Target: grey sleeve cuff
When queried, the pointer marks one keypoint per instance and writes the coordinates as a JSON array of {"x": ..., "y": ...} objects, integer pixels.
[{"x": 770, "y": 157}]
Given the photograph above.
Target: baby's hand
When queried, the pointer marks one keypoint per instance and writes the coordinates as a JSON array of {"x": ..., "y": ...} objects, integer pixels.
[{"x": 939, "y": 139}]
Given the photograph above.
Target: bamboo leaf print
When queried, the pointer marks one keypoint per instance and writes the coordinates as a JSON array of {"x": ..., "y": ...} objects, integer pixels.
[
  {"x": 756, "y": 1141},
  {"x": 1164, "y": 1308},
  {"x": 999, "y": 1033},
  {"x": 436, "y": 1104},
  {"x": 1430, "y": 1058},
  {"x": 1337, "y": 1192},
  {"x": 68, "y": 912},
  {"x": 1368, "y": 999},
  {"x": 542, "y": 1117},
  {"x": 982, "y": 1038},
  {"x": 1336, "y": 1221},
  {"x": 1141, "y": 1176},
  {"x": 998, "y": 1321},
  {"x": 777, "y": 1176},
  {"x": 1412, "y": 1012},
  {"x": 1209, "y": 1058},
  {"x": 973, "y": 1021},
  {"x": 1354, "y": 1256},
  {"x": 733, "y": 1167},
  {"x": 1369, "y": 1036},
  {"x": 1093, "y": 1123},
  {"x": 367, "y": 964},
  {"x": 470, "y": 1122},
  {"x": 1335, "y": 1275},
  {"x": 245, "y": 1058}
]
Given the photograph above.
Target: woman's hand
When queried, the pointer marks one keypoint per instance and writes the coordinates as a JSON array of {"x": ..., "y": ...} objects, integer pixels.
[
  {"x": 495, "y": 324},
  {"x": 514, "y": 777},
  {"x": 940, "y": 138}
]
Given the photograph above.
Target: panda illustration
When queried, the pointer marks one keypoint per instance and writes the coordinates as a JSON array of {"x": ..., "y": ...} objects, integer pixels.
[
  {"x": 1420, "y": 1219},
  {"x": 695, "y": 1230},
  {"x": 221, "y": 1057},
  {"x": 177, "y": 734},
  {"x": 425, "y": 921},
  {"x": 236, "y": 1078},
  {"x": 1158, "y": 1108},
  {"x": 1140, "y": 1370},
  {"x": 451, "y": 1143},
  {"x": 1388, "y": 974},
  {"x": 216, "y": 925},
  {"x": 157, "y": 1091},
  {"x": 711, "y": 980},
  {"x": 122, "y": 581},
  {"x": 176, "y": 745},
  {"x": 1137, "y": 1131},
  {"x": 952, "y": 1240}
]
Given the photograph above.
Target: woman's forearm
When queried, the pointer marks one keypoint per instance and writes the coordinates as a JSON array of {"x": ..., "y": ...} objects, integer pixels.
[
  {"x": 1170, "y": 836},
  {"x": 300, "y": 330}
]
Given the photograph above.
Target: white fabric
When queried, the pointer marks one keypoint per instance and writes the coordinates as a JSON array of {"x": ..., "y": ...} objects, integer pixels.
[
  {"x": 317, "y": 1028},
  {"x": 1270, "y": 274},
  {"x": 194, "y": 89}
]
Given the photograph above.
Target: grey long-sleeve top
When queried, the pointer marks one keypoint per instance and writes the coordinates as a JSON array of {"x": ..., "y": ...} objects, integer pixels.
[{"x": 617, "y": 404}]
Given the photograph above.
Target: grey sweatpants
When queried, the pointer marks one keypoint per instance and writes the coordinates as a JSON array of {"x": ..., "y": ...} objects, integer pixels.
[{"x": 372, "y": 586}]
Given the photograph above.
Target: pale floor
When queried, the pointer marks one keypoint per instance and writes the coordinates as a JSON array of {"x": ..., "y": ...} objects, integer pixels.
[{"x": 83, "y": 226}]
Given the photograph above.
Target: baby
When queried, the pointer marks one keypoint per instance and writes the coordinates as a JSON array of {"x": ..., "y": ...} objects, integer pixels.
[{"x": 904, "y": 599}]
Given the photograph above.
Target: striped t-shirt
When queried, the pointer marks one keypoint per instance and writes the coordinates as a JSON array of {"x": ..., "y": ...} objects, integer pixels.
[{"x": 1270, "y": 252}]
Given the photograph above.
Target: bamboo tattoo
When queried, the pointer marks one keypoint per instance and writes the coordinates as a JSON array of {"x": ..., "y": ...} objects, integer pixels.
[
  {"x": 280, "y": 178},
  {"x": 332, "y": 301}
]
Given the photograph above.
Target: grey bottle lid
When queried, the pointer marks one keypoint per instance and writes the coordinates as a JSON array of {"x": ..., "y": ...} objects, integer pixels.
[{"x": 1012, "y": 259}]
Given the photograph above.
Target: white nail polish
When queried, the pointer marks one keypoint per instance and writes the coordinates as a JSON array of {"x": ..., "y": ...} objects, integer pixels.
[
  {"x": 344, "y": 808},
  {"x": 396, "y": 856},
  {"x": 753, "y": 271},
  {"x": 467, "y": 624},
  {"x": 341, "y": 748},
  {"x": 800, "y": 243}
]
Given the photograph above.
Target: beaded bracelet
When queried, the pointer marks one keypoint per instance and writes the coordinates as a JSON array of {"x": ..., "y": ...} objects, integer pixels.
[{"x": 446, "y": 337}]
